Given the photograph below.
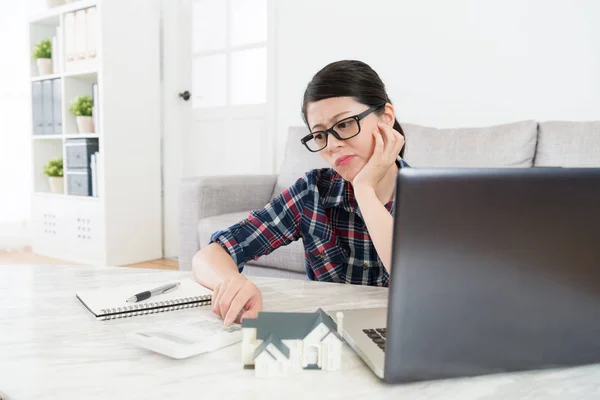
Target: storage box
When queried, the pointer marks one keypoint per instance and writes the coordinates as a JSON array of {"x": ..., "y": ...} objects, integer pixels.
[
  {"x": 79, "y": 182},
  {"x": 79, "y": 152}
]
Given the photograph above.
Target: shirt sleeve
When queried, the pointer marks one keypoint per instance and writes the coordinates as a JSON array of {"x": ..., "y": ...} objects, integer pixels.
[
  {"x": 263, "y": 231},
  {"x": 386, "y": 278}
]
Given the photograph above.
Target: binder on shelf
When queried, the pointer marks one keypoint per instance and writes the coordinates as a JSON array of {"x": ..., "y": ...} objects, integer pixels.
[
  {"x": 91, "y": 31},
  {"x": 60, "y": 52},
  {"x": 37, "y": 108},
  {"x": 80, "y": 36},
  {"x": 94, "y": 169},
  {"x": 69, "y": 37},
  {"x": 47, "y": 108},
  {"x": 56, "y": 106}
]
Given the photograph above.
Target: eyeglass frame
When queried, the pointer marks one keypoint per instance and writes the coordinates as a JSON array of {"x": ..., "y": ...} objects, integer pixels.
[{"x": 331, "y": 131}]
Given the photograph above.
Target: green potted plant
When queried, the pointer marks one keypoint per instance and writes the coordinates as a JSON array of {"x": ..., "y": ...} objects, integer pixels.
[
  {"x": 81, "y": 108},
  {"x": 54, "y": 170},
  {"x": 43, "y": 56}
]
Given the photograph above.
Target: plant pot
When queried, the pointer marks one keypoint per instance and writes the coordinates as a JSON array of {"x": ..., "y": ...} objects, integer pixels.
[
  {"x": 44, "y": 66},
  {"x": 85, "y": 124},
  {"x": 54, "y": 3},
  {"x": 57, "y": 184}
]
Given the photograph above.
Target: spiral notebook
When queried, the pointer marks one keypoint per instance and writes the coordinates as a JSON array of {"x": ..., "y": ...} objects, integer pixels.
[{"x": 111, "y": 303}]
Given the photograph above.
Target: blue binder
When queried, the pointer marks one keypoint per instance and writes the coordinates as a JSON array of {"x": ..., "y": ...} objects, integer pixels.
[
  {"x": 57, "y": 107},
  {"x": 47, "y": 107},
  {"x": 37, "y": 108}
]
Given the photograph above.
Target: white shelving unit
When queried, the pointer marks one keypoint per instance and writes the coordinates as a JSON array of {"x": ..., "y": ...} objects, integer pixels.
[{"x": 123, "y": 224}]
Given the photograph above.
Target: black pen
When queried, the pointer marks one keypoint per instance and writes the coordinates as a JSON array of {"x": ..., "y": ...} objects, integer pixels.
[{"x": 149, "y": 293}]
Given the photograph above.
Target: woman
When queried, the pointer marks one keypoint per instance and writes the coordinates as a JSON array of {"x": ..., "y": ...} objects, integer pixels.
[{"x": 343, "y": 214}]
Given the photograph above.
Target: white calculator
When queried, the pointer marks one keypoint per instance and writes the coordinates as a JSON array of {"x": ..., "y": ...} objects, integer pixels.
[{"x": 187, "y": 339}]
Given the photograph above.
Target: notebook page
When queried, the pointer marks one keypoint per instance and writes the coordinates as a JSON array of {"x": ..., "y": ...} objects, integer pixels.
[{"x": 99, "y": 299}]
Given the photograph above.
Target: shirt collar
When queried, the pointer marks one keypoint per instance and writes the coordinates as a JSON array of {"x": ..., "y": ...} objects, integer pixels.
[{"x": 341, "y": 193}]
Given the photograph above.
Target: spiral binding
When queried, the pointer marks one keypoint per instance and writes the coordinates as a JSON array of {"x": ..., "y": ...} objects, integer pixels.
[{"x": 154, "y": 307}]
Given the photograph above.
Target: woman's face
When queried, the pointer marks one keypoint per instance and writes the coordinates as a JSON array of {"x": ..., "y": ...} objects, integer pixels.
[{"x": 346, "y": 157}]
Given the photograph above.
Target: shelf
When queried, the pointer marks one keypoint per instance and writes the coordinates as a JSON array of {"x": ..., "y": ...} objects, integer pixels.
[
  {"x": 47, "y": 137},
  {"x": 67, "y": 136},
  {"x": 66, "y": 196},
  {"x": 81, "y": 198},
  {"x": 49, "y": 194},
  {"x": 89, "y": 75},
  {"x": 51, "y": 16},
  {"x": 56, "y": 217},
  {"x": 82, "y": 136},
  {"x": 45, "y": 77}
]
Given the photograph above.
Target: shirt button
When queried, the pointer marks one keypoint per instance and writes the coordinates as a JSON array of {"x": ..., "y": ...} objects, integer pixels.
[
  {"x": 243, "y": 222},
  {"x": 322, "y": 255},
  {"x": 366, "y": 265}
]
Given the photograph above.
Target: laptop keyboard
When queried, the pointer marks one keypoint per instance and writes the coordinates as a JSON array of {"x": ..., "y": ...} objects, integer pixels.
[{"x": 377, "y": 336}]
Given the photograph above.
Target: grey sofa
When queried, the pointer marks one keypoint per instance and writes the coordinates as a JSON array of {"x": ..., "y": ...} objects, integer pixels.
[{"x": 208, "y": 204}]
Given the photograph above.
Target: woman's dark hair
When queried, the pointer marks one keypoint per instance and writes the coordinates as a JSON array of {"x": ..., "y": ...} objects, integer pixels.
[{"x": 348, "y": 78}]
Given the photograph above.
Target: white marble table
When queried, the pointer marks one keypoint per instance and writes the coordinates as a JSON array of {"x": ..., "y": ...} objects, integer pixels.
[{"x": 52, "y": 348}]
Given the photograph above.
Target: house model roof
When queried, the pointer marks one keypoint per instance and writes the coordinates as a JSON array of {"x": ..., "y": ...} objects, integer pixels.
[
  {"x": 275, "y": 342},
  {"x": 273, "y": 327}
]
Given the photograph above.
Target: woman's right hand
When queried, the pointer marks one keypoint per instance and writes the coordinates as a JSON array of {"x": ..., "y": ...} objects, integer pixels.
[{"x": 236, "y": 298}]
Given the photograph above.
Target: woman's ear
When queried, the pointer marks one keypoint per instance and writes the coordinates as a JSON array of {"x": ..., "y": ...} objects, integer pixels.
[{"x": 389, "y": 115}]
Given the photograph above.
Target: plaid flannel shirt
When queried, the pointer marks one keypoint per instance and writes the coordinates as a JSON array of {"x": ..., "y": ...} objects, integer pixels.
[{"x": 321, "y": 209}]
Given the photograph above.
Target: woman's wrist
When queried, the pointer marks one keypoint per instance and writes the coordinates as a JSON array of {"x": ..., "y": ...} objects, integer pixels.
[{"x": 362, "y": 192}]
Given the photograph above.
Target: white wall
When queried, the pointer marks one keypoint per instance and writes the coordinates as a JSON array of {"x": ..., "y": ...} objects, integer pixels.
[
  {"x": 15, "y": 149},
  {"x": 445, "y": 63},
  {"x": 448, "y": 63}
]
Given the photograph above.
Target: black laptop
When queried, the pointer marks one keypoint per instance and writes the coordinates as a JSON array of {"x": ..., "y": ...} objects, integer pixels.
[{"x": 494, "y": 270}]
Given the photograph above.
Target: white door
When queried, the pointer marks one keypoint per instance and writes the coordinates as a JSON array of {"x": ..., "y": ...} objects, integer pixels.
[
  {"x": 218, "y": 94},
  {"x": 312, "y": 355}
]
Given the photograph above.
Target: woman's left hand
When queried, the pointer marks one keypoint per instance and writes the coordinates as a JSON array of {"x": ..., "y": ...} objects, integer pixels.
[{"x": 387, "y": 148}]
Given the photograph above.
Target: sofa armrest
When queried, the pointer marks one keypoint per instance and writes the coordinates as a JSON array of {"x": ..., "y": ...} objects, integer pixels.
[{"x": 203, "y": 197}]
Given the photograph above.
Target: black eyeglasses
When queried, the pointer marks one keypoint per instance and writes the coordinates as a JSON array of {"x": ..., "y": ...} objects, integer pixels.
[{"x": 345, "y": 129}]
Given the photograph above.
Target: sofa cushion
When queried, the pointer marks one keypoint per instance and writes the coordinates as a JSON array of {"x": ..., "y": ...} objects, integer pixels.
[
  {"x": 289, "y": 258},
  {"x": 297, "y": 160},
  {"x": 568, "y": 144},
  {"x": 508, "y": 145}
]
